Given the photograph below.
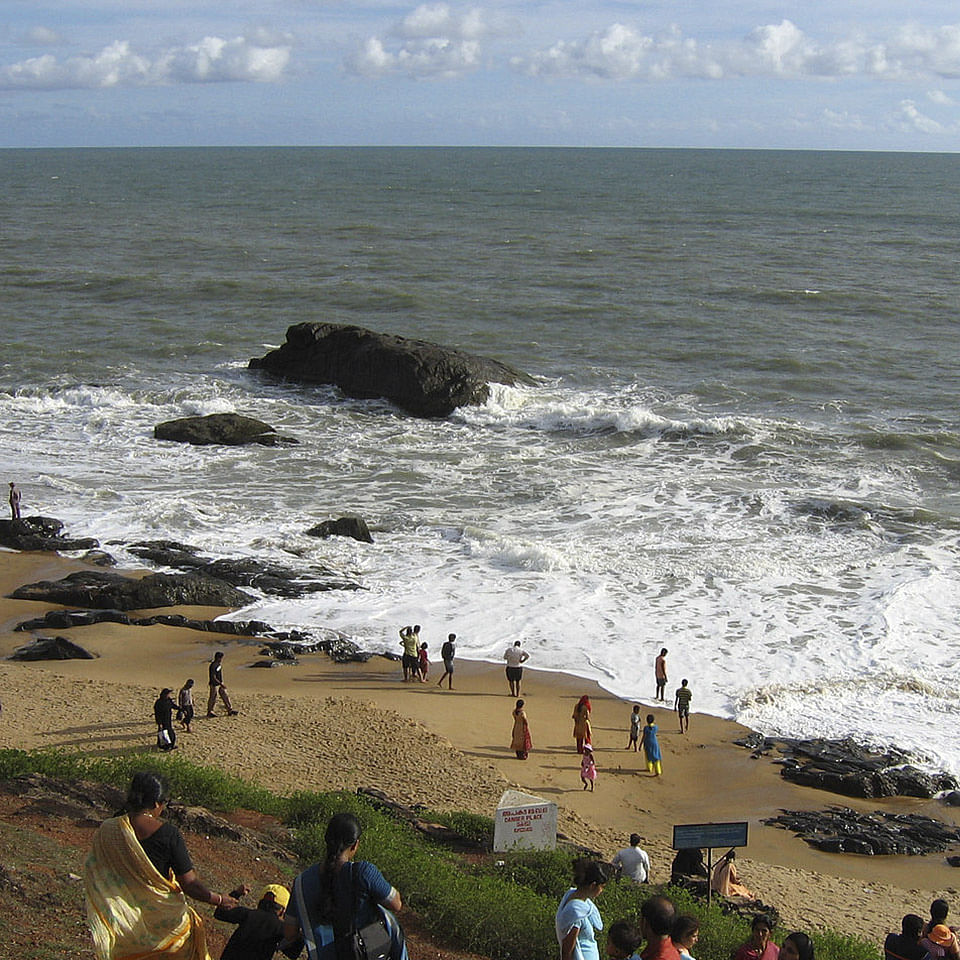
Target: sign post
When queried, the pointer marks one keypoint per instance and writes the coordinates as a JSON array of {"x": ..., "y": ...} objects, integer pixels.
[
  {"x": 524, "y": 822},
  {"x": 709, "y": 835}
]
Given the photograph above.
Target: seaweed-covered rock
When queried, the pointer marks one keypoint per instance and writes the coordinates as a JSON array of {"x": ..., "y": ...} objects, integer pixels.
[
  {"x": 423, "y": 378},
  {"x": 228, "y": 429}
]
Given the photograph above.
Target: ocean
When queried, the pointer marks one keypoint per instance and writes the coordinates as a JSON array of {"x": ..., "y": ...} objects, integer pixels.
[{"x": 744, "y": 444}]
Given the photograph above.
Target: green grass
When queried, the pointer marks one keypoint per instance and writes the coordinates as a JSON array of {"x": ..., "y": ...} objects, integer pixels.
[{"x": 502, "y": 908}]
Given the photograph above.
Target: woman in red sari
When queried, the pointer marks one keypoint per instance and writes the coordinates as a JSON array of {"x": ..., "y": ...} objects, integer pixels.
[{"x": 520, "y": 742}]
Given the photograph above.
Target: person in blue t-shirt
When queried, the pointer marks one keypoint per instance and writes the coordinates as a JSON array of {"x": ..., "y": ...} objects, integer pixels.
[{"x": 331, "y": 896}]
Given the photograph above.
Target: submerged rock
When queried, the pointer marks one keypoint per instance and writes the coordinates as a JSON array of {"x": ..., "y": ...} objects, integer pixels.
[
  {"x": 355, "y": 527},
  {"x": 273, "y": 578},
  {"x": 423, "y": 378},
  {"x": 228, "y": 429}
]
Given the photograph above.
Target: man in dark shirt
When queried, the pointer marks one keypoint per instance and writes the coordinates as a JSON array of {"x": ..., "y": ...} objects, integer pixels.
[
  {"x": 258, "y": 931},
  {"x": 906, "y": 944},
  {"x": 217, "y": 686}
]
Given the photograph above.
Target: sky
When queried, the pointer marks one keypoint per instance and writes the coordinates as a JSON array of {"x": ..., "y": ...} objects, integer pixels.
[{"x": 845, "y": 74}]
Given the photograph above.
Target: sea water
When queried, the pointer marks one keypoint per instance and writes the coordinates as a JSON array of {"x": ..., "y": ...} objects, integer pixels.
[{"x": 744, "y": 444}]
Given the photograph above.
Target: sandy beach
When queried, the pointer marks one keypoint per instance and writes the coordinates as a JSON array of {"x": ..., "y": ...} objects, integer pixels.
[{"x": 320, "y": 726}]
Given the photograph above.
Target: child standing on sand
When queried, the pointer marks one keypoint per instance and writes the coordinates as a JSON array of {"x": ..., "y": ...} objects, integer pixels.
[
  {"x": 423, "y": 663},
  {"x": 588, "y": 768},
  {"x": 651, "y": 747},
  {"x": 634, "y": 728}
]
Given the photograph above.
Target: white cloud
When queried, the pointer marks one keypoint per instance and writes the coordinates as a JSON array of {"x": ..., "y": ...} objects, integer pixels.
[
  {"x": 431, "y": 41},
  {"x": 910, "y": 118},
  {"x": 940, "y": 97},
  {"x": 621, "y": 53},
  {"x": 212, "y": 60},
  {"x": 772, "y": 50}
]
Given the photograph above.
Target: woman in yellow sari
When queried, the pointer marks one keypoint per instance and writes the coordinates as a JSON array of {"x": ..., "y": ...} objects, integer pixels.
[{"x": 135, "y": 880}]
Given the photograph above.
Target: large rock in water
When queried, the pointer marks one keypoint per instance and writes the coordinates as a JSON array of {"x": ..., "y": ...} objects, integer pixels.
[
  {"x": 110, "y": 591},
  {"x": 229, "y": 429},
  {"x": 423, "y": 378}
]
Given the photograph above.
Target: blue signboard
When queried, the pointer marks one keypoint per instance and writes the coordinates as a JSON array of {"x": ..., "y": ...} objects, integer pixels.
[{"x": 686, "y": 835}]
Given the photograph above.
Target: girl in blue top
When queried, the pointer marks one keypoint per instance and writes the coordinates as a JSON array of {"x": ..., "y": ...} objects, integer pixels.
[
  {"x": 651, "y": 747},
  {"x": 578, "y": 919}
]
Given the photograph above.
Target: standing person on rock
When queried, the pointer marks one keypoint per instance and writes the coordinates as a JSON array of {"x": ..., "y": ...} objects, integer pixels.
[
  {"x": 218, "y": 687},
  {"x": 516, "y": 657}
]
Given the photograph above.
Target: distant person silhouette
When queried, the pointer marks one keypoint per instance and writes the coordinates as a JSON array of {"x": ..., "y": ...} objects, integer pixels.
[{"x": 14, "y": 502}]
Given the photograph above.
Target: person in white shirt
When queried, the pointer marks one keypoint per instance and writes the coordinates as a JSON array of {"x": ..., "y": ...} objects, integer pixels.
[
  {"x": 633, "y": 862},
  {"x": 515, "y": 656}
]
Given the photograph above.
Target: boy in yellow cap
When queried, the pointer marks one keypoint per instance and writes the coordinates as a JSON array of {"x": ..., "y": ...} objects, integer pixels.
[{"x": 258, "y": 931}]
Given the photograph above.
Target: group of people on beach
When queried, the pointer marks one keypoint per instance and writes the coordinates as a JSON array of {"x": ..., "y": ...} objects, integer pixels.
[
  {"x": 415, "y": 660},
  {"x": 640, "y": 735},
  {"x": 139, "y": 874},
  {"x": 661, "y": 934},
  {"x": 165, "y": 707}
]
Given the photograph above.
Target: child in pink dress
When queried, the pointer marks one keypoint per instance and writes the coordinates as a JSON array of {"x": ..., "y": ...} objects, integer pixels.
[
  {"x": 588, "y": 768},
  {"x": 423, "y": 663}
]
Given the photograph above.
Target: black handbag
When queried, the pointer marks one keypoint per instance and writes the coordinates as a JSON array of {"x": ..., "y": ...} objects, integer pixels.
[{"x": 371, "y": 942}]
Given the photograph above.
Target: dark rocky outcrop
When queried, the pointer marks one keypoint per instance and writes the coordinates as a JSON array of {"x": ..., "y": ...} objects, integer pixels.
[
  {"x": 40, "y": 533},
  {"x": 272, "y": 578},
  {"x": 842, "y": 830},
  {"x": 849, "y": 768},
  {"x": 110, "y": 591},
  {"x": 51, "y": 648},
  {"x": 423, "y": 378},
  {"x": 228, "y": 429},
  {"x": 65, "y": 619},
  {"x": 355, "y": 527}
]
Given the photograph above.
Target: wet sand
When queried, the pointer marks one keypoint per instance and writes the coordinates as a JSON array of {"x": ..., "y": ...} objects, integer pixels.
[{"x": 319, "y": 725}]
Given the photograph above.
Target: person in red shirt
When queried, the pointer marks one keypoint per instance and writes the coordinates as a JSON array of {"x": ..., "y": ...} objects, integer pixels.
[
  {"x": 657, "y": 917},
  {"x": 759, "y": 946}
]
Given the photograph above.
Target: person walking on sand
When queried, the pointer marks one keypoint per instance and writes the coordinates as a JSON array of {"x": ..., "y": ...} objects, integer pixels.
[
  {"x": 14, "y": 502},
  {"x": 218, "y": 688},
  {"x": 635, "y": 721},
  {"x": 660, "y": 672},
  {"x": 520, "y": 741},
  {"x": 581, "y": 723},
  {"x": 163, "y": 708},
  {"x": 651, "y": 747},
  {"x": 681, "y": 703},
  {"x": 447, "y": 652},
  {"x": 185, "y": 705},
  {"x": 516, "y": 657}
]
